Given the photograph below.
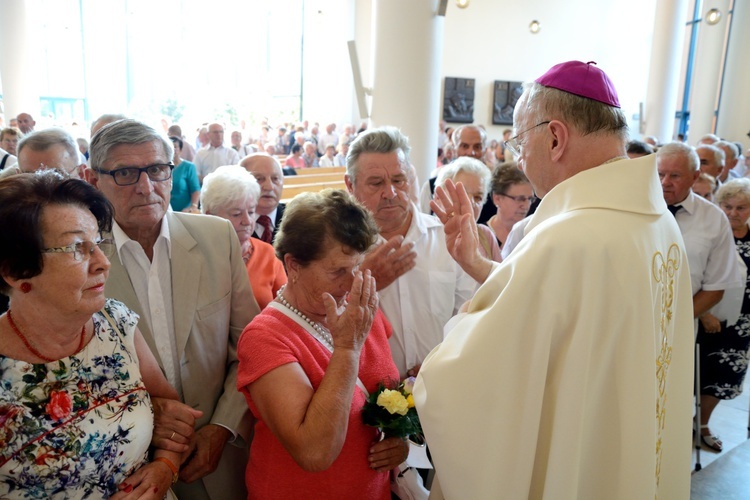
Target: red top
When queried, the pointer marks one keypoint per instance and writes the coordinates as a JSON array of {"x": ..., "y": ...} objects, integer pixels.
[
  {"x": 294, "y": 162},
  {"x": 272, "y": 340},
  {"x": 265, "y": 271}
]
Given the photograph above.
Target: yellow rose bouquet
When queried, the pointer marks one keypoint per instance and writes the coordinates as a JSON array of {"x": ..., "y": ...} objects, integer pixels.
[{"x": 392, "y": 410}]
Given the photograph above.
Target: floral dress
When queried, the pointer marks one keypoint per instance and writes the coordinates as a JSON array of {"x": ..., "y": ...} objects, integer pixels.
[
  {"x": 724, "y": 355},
  {"x": 77, "y": 427}
]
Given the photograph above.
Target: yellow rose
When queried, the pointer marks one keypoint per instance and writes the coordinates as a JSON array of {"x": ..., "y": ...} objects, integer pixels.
[
  {"x": 393, "y": 401},
  {"x": 410, "y": 401}
]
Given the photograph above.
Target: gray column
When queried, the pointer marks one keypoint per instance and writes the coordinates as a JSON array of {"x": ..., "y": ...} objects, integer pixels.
[
  {"x": 407, "y": 49},
  {"x": 17, "y": 70},
  {"x": 664, "y": 71},
  {"x": 707, "y": 72},
  {"x": 734, "y": 110}
]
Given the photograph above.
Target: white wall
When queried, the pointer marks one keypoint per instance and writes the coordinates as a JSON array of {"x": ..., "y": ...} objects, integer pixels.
[
  {"x": 734, "y": 110},
  {"x": 328, "y": 85},
  {"x": 491, "y": 41}
]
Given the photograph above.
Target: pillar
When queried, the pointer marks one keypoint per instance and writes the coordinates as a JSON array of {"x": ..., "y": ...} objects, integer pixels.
[
  {"x": 407, "y": 47},
  {"x": 17, "y": 60},
  {"x": 707, "y": 72},
  {"x": 664, "y": 70},
  {"x": 734, "y": 108}
]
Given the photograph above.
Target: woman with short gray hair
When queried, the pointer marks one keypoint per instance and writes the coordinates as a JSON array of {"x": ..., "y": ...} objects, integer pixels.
[
  {"x": 232, "y": 193},
  {"x": 724, "y": 355},
  {"x": 475, "y": 176}
]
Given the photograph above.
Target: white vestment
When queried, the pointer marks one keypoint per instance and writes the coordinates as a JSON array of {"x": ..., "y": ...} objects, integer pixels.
[{"x": 571, "y": 375}]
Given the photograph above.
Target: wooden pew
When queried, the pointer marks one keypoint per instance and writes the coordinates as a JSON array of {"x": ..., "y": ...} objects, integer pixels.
[
  {"x": 292, "y": 191},
  {"x": 317, "y": 170},
  {"x": 295, "y": 180}
]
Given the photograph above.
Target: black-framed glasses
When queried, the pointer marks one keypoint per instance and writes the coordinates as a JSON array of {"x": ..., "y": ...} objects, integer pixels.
[
  {"x": 512, "y": 143},
  {"x": 158, "y": 172},
  {"x": 82, "y": 250},
  {"x": 519, "y": 199}
]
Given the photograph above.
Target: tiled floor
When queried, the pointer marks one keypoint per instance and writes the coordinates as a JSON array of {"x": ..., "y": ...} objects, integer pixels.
[{"x": 730, "y": 422}]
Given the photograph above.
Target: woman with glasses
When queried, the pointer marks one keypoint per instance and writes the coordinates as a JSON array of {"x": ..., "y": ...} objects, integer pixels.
[
  {"x": 512, "y": 195},
  {"x": 76, "y": 375},
  {"x": 725, "y": 350},
  {"x": 475, "y": 176}
]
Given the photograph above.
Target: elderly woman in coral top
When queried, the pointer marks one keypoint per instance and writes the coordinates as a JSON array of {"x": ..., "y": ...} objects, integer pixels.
[
  {"x": 307, "y": 361},
  {"x": 232, "y": 193},
  {"x": 75, "y": 373}
]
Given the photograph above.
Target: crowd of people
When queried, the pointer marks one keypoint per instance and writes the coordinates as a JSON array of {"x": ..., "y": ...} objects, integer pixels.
[{"x": 174, "y": 329}]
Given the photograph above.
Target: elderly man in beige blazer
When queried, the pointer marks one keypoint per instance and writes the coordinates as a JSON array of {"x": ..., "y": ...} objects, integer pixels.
[{"x": 184, "y": 276}]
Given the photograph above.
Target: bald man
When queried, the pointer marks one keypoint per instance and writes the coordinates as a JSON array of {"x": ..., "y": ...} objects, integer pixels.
[
  {"x": 215, "y": 154},
  {"x": 25, "y": 123},
  {"x": 268, "y": 213}
]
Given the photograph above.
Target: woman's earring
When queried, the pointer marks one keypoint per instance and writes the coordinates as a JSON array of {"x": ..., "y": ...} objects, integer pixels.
[{"x": 25, "y": 287}]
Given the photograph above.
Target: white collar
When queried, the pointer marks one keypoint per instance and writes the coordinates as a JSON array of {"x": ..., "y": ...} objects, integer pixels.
[{"x": 121, "y": 238}]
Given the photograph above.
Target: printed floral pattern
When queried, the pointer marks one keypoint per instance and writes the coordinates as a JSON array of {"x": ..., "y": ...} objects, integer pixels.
[
  {"x": 75, "y": 428},
  {"x": 726, "y": 353}
]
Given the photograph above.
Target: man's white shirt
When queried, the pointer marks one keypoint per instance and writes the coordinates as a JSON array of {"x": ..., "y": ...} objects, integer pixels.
[
  {"x": 152, "y": 282},
  {"x": 210, "y": 158}
]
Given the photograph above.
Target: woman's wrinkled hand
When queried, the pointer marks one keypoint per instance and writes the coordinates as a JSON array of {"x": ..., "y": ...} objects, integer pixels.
[
  {"x": 388, "y": 453},
  {"x": 711, "y": 323},
  {"x": 151, "y": 481},
  {"x": 350, "y": 323}
]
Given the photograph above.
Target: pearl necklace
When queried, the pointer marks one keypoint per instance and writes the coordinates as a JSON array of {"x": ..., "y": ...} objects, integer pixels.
[{"x": 323, "y": 334}]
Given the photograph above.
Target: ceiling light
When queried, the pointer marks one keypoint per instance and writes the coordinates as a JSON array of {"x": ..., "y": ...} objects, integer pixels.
[{"x": 713, "y": 16}]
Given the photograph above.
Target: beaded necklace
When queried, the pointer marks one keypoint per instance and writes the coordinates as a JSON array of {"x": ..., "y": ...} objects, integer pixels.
[
  {"x": 28, "y": 345},
  {"x": 325, "y": 336}
]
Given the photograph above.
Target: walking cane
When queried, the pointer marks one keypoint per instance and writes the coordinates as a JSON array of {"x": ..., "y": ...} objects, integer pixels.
[{"x": 697, "y": 428}]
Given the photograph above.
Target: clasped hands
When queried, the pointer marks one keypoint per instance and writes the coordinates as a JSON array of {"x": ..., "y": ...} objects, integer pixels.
[{"x": 174, "y": 430}]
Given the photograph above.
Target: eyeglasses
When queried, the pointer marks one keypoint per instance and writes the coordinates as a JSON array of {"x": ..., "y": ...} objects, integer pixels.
[
  {"x": 42, "y": 166},
  {"x": 85, "y": 249},
  {"x": 519, "y": 199},
  {"x": 126, "y": 176},
  {"x": 513, "y": 144}
]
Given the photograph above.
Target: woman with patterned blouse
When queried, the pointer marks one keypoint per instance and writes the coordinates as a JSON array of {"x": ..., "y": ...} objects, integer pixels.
[
  {"x": 724, "y": 355},
  {"x": 75, "y": 373}
]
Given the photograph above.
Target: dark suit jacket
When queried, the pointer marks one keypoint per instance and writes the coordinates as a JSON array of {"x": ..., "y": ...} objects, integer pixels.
[{"x": 276, "y": 223}]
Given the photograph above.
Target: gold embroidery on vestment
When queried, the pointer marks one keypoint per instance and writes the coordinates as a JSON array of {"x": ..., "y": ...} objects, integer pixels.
[{"x": 663, "y": 271}]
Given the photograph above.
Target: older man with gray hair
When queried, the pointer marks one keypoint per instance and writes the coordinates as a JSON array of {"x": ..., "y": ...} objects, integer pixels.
[
  {"x": 184, "y": 276},
  {"x": 709, "y": 242},
  {"x": 576, "y": 352},
  {"x": 48, "y": 148},
  {"x": 711, "y": 160},
  {"x": 418, "y": 302},
  {"x": 730, "y": 160}
]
